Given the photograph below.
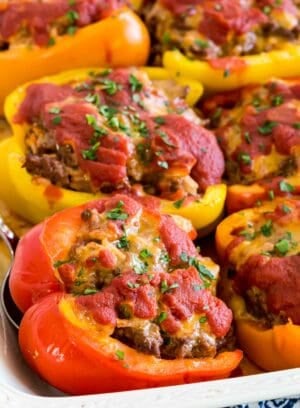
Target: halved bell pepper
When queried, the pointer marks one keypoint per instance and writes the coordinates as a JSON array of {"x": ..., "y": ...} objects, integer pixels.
[
  {"x": 271, "y": 348},
  {"x": 120, "y": 39},
  {"x": 35, "y": 201},
  {"x": 233, "y": 72},
  {"x": 61, "y": 336}
]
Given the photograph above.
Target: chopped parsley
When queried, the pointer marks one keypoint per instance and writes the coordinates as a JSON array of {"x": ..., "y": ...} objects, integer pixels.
[
  {"x": 248, "y": 235},
  {"x": 91, "y": 153},
  {"x": 135, "y": 84},
  {"x": 120, "y": 354},
  {"x": 247, "y": 137},
  {"x": 267, "y": 228},
  {"x": 55, "y": 110},
  {"x": 178, "y": 204},
  {"x": 286, "y": 209},
  {"x": 282, "y": 246},
  {"x": 110, "y": 87},
  {"x": 145, "y": 253},
  {"x": 267, "y": 10},
  {"x": 107, "y": 111},
  {"x": 71, "y": 30},
  {"x": 161, "y": 317},
  {"x": 204, "y": 273},
  {"x": 93, "y": 98},
  {"x": 277, "y": 100},
  {"x": 165, "y": 288},
  {"x": 244, "y": 158},
  {"x": 57, "y": 120},
  {"x": 90, "y": 291},
  {"x": 117, "y": 213},
  {"x": 201, "y": 43},
  {"x": 164, "y": 257},
  {"x": 140, "y": 267},
  {"x": 267, "y": 127},
  {"x": 203, "y": 319},
  {"x": 271, "y": 195},
  {"x": 160, "y": 120},
  {"x": 51, "y": 42},
  {"x": 59, "y": 263},
  {"x": 256, "y": 102},
  {"x": 123, "y": 243},
  {"x": 132, "y": 285},
  {"x": 72, "y": 16},
  {"x": 165, "y": 137},
  {"x": 285, "y": 187},
  {"x": 226, "y": 73}
]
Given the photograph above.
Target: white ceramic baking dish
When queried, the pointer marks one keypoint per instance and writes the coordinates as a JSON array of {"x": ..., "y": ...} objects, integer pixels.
[{"x": 20, "y": 386}]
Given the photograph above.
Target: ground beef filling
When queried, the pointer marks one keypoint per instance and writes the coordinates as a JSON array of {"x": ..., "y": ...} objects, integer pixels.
[
  {"x": 118, "y": 131},
  {"x": 258, "y": 130},
  {"x": 207, "y": 30},
  {"x": 157, "y": 301}
]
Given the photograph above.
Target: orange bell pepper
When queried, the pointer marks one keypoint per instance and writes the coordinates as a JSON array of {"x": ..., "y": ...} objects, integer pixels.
[
  {"x": 271, "y": 348},
  {"x": 120, "y": 39}
]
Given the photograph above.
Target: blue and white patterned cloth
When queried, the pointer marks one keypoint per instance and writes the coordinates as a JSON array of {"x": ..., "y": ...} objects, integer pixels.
[{"x": 278, "y": 403}]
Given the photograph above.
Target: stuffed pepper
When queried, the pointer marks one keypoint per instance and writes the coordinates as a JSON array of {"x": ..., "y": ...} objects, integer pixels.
[
  {"x": 227, "y": 43},
  {"x": 98, "y": 132},
  {"x": 44, "y": 37},
  {"x": 258, "y": 128},
  {"x": 260, "y": 250},
  {"x": 117, "y": 297}
]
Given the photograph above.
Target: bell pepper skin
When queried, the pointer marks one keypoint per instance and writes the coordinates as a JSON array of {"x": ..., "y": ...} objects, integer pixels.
[
  {"x": 275, "y": 348},
  {"x": 77, "y": 354},
  {"x": 118, "y": 40},
  {"x": 36, "y": 201},
  {"x": 240, "y": 196},
  {"x": 96, "y": 367},
  {"x": 233, "y": 72}
]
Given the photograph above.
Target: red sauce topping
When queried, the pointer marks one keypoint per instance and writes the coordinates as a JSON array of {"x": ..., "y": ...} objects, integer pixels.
[
  {"x": 279, "y": 278},
  {"x": 53, "y": 193},
  {"x": 228, "y": 16},
  {"x": 169, "y": 144},
  {"x": 176, "y": 240},
  {"x": 229, "y": 64},
  {"x": 187, "y": 299},
  {"x": 180, "y": 293},
  {"x": 37, "y": 17}
]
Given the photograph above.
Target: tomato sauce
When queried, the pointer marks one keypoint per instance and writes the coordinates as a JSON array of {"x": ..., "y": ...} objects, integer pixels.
[
  {"x": 107, "y": 121},
  {"x": 37, "y": 17},
  {"x": 149, "y": 285},
  {"x": 279, "y": 279}
]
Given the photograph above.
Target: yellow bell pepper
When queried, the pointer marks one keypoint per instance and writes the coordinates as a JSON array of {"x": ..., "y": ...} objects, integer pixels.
[
  {"x": 35, "y": 201},
  {"x": 274, "y": 348},
  {"x": 118, "y": 40},
  {"x": 233, "y": 72}
]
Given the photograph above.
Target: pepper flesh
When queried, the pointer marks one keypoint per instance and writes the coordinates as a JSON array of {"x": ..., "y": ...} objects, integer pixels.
[
  {"x": 274, "y": 348},
  {"x": 118, "y": 40},
  {"x": 234, "y": 72},
  {"x": 40, "y": 200}
]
